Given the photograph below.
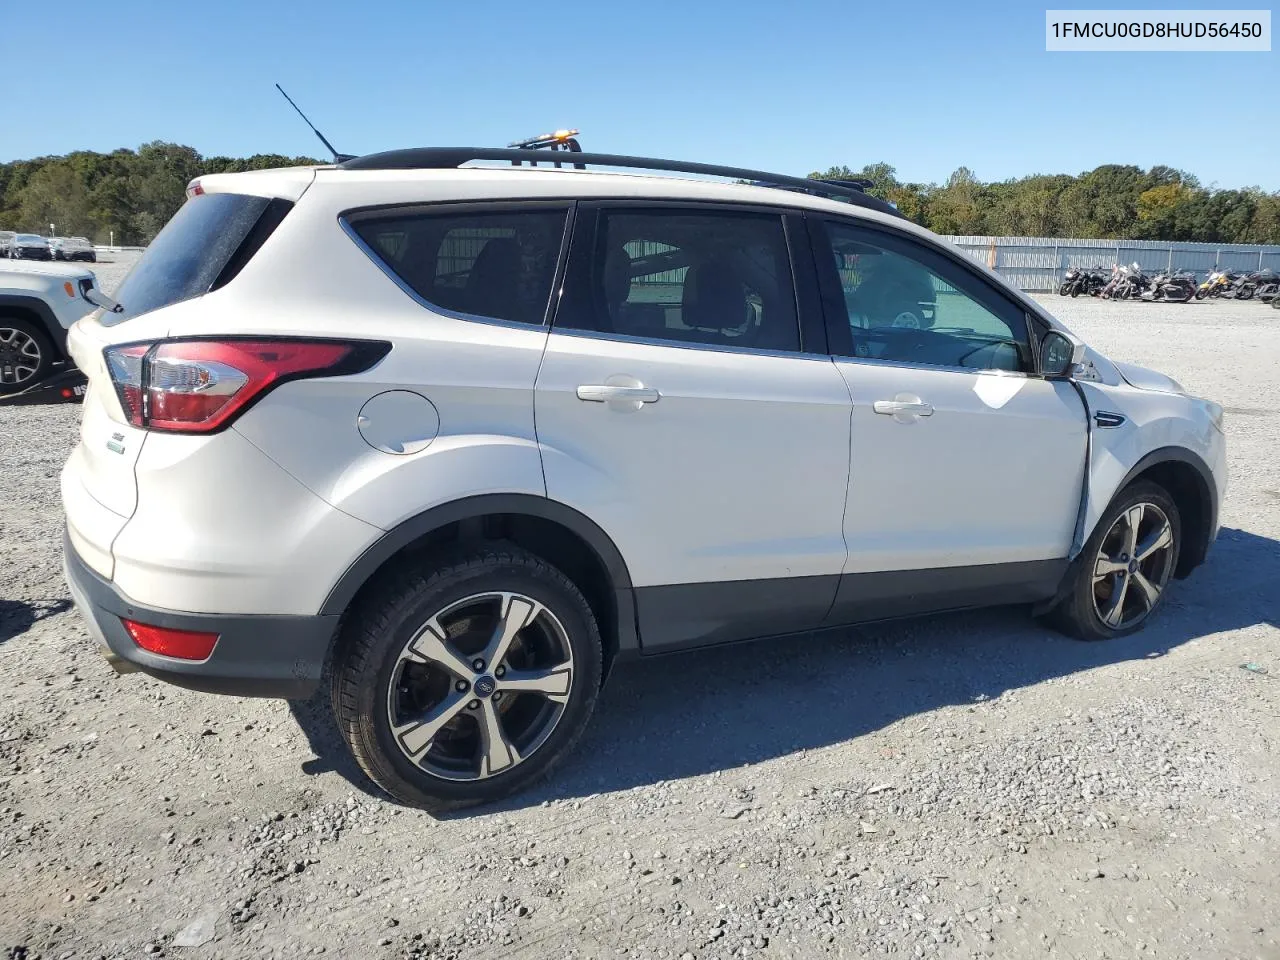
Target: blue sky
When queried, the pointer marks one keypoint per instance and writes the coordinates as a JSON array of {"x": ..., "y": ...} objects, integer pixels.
[{"x": 925, "y": 86}]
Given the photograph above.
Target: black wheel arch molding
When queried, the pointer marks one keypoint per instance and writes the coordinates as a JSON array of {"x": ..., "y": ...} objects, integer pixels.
[
  {"x": 36, "y": 306},
  {"x": 1194, "y": 547},
  {"x": 476, "y": 508}
]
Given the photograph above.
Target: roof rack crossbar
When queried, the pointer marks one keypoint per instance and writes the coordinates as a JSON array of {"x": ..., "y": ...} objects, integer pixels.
[{"x": 446, "y": 158}]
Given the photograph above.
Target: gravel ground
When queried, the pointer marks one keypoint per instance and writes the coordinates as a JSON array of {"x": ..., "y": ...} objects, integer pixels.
[{"x": 961, "y": 786}]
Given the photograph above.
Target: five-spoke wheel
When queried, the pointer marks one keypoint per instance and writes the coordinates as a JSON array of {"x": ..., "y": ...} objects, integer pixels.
[
  {"x": 480, "y": 686},
  {"x": 25, "y": 354},
  {"x": 1121, "y": 575},
  {"x": 1133, "y": 566},
  {"x": 466, "y": 681}
]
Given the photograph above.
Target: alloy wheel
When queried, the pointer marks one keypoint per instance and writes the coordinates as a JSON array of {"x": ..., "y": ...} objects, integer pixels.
[
  {"x": 480, "y": 686},
  {"x": 1133, "y": 566},
  {"x": 20, "y": 356}
]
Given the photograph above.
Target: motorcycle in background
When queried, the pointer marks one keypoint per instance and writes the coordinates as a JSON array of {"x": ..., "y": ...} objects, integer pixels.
[
  {"x": 1079, "y": 281},
  {"x": 1218, "y": 284},
  {"x": 1268, "y": 284},
  {"x": 1109, "y": 286},
  {"x": 1131, "y": 283},
  {"x": 1269, "y": 292},
  {"x": 1262, "y": 282},
  {"x": 1177, "y": 287}
]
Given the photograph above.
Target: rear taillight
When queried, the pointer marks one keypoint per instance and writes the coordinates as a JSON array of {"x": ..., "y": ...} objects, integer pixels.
[
  {"x": 125, "y": 366},
  {"x": 199, "y": 386}
]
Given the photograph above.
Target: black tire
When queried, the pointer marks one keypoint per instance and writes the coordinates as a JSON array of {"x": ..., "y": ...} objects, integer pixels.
[
  {"x": 1063, "y": 289},
  {"x": 369, "y": 656},
  {"x": 26, "y": 354},
  {"x": 1078, "y": 615},
  {"x": 1245, "y": 293}
]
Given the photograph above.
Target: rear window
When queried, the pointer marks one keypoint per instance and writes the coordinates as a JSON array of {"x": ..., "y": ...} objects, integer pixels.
[
  {"x": 208, "y": 240},
  {"x": 495, "y": 264}
]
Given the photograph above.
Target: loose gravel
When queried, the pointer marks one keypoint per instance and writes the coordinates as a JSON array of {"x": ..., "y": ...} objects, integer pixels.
[{"x": 961, "y": 786}]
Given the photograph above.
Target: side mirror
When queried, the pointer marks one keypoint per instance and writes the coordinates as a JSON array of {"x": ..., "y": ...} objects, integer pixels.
[{"x": 1060, "y": 354}]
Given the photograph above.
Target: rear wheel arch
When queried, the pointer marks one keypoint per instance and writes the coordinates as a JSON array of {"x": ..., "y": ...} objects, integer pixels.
[
  {"x": 558, "y": 534},
  {"x": 1189, "y": 483}
]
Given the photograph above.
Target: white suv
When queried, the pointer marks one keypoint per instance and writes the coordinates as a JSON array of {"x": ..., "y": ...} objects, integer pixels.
[
  {"x": 38, "y": 304},
  {"x": 460, "y": 437}
]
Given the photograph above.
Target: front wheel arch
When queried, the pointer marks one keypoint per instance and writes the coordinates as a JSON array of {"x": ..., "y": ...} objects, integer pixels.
[
  {"x": 35, "y": 310},
  {"x": 1189, "y": 482},
  {"x": 27, "y": 330}
]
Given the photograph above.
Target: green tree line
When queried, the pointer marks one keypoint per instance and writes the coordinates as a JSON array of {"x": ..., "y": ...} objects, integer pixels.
[
  {"x": 130, "y": 194},
  {"x": 1113, "y": 201},
  {"x": 125, "y": 194}
]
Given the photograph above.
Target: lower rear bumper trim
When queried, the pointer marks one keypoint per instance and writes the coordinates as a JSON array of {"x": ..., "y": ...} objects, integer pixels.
[{"x": 256, "y": 655}]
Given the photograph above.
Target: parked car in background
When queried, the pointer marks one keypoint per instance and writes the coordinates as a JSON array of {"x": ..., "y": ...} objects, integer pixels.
[
  {"x": 6, "y": 241},
  {"x": 28, "y": 246},
  {"x": 73, "y": 248}
]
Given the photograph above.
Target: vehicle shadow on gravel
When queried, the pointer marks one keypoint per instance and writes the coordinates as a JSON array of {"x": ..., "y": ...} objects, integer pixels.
[
  {"x": 19, "y": 616},
  {"x": 681, "y": 716}
]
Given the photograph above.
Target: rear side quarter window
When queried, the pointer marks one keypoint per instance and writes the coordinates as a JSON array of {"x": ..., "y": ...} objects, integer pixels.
[
  {"x": 207, "y": 242},
  {"x": 487, "y": 264}
]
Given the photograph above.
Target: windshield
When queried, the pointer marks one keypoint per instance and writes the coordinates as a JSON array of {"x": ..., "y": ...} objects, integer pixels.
[
  {"x": 29, "y": 238},
  {"x": 188, "y": 255}
]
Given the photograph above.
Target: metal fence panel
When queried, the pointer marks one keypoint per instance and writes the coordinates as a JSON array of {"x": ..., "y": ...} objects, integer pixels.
[{"x": 1038, "y": 263}]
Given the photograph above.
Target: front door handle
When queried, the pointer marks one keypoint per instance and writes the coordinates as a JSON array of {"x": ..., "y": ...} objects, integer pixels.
[
  {"x": 904, "y": 408},
  {"x": 606, "y": 392},
  {"x": 891, "y": 407}
]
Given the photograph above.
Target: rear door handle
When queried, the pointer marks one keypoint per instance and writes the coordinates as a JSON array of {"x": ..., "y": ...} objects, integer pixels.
[
  {"x": 604, "y": 392},
  {"x": 893, "y": 408}
]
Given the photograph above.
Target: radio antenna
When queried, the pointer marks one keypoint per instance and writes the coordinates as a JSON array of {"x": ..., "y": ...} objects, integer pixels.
[{"x": 337, "y": 157}]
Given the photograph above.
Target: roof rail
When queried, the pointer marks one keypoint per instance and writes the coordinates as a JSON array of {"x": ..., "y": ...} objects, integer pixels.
[
  {"x": 863, "y": 185},
  {"x": 447, "y": 158}
]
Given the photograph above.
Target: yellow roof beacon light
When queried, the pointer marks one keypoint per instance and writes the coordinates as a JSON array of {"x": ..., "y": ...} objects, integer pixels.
[{"x": 564, "y": 139}]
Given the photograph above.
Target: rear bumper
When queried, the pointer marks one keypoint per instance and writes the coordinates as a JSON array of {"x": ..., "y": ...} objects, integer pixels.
[{"x": 256, "y": 655}]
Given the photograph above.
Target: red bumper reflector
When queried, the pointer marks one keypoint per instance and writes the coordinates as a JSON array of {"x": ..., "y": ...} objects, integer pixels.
[{"x": 182, "y": 644}]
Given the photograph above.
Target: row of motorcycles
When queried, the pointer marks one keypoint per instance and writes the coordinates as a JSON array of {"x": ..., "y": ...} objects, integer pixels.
[
  {"x": 1263, "y": 284},
  {"x": 1130, "y": 283}
]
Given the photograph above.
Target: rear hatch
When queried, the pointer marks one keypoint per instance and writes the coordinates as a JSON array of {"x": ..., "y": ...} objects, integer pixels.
[{"x": 201, "y": 249}]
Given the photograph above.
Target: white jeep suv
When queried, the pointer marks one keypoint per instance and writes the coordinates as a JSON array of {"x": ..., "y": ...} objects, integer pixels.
[
  {"x": 458, "y": 437},
  {"x": 38, "y": 304}
]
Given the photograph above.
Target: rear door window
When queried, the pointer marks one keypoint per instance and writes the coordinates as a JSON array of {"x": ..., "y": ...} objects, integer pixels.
[
  {"x": 209, "y": 239},
  {"x": 488, "y": 264},
  {"x": 715, "y": 277}
]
